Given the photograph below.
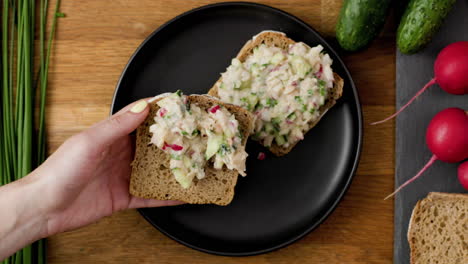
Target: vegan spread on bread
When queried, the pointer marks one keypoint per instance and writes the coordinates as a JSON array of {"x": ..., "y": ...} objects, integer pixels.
[
  {"x": 191, "y": 136},
  {"x": 284, "y": 89},
  {"x": 287, "y": 85}
]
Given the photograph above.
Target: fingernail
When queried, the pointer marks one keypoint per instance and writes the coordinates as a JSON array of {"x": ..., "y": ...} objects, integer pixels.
[{"x": 139, "y": 107}]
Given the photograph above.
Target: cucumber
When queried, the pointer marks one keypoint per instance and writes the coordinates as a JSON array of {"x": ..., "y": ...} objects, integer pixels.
[
  {"x": 280, "y": 140},
  {"x": 213, "y": 144},
  {"x": 421, "y": 20},
  {"x": 300, "y": 66},
  {"x": 269, "y": 128},
  {"x": 277, "y": 58},
  {"x": 182, "y": 178},
  {"x": 360, "y": 21}
]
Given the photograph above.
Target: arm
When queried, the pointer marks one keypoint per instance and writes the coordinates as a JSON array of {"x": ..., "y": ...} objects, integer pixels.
[{"x": 84, "y": 180}]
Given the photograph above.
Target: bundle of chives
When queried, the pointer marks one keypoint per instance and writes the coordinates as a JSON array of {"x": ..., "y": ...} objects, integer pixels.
[{"x": 20, "y": 148}]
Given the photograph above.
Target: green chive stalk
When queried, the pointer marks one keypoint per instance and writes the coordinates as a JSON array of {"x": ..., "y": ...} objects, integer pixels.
[
  {"x": 21, "y": 148},
  {"x": 44, "y": 77},
  {"x": 6, "y": 106},
  {"x": 44, "y": 73}
]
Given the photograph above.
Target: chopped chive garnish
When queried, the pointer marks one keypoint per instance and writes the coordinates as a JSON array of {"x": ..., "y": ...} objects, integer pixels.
[
  {"x": 275, "y": 120},
  {"x": 321, "y": 83},
  {"x": 322, "y": 91},
  {"x": 175, "y": 157},
  {"x": 224, "y": 149},
  {"x": 291, "y": 116},
  {"x": 271, "y": 102}
]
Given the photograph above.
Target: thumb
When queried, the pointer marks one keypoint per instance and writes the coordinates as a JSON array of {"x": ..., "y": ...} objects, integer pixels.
[{"x": 119, "y": 125}]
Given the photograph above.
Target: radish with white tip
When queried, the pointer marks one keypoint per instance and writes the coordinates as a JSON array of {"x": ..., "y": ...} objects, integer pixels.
[
  {"x": 450, "y": 71},
  {"x": 447, "y": 138}
]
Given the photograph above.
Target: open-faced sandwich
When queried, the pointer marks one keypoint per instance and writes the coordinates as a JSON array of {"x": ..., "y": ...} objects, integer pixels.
[
  {"x": 287, "y": 85},
  {"x": 191, "y": 149}
]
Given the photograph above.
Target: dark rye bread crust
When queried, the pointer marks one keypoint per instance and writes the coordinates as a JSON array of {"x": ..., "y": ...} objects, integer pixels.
[
  {"x": 278, "y": 39},
  {"x": 437, "y": 231},
  {"x": 152, "y": 178}
]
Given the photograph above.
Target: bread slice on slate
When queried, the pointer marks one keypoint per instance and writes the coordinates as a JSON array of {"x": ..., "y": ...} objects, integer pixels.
[
  {"x": 152, "y": 178},
  {"x": 279, "y": 39},
  {"x": 438, "y": 229}
]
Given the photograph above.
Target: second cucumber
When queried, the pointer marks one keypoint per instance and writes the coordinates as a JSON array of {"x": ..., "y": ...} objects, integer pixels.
[
  {"x": 360, "y": 21},
  {"x": 420, "y": 22}
]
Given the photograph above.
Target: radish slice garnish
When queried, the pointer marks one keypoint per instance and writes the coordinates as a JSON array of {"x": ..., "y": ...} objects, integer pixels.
[
  {"x": 214, "y": 109},
  {"x": 162, "y": 112},
  {"x": 172, "y": 146},
  {"x": 261, "y": 156}
]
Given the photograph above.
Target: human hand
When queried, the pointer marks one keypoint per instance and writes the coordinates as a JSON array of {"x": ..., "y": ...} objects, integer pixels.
[{"x": 87, "y": 178}]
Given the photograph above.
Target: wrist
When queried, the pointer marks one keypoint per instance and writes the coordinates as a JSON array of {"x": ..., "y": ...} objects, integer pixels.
[
  {"x": 23, "y": 222},
  {"x": 29, "y": 211}
]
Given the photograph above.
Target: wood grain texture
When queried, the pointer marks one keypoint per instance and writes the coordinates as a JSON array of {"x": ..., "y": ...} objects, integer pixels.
[{"x": 95, "y": 41}]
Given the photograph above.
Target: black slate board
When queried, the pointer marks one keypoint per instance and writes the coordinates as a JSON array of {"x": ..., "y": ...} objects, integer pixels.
[{"x": 412, "y": 72}]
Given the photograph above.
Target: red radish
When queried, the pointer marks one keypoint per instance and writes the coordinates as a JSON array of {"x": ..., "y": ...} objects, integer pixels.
[
  {"x": 261, "y": 156},
  {"x": 172, "y": 146},
  {"x": 177, "y": 147},
  {"x": 214, "y": 109},
  {"x": 447, "y": 138},
  {"x": 447, "y": 135},
  {"x": 319, "y": 72},
  {"x": 451, "y": 73},
  {"x": 275, "y": 69},
  {"x": 162, "y": 112},
  {"x": 463, "y": 174}
]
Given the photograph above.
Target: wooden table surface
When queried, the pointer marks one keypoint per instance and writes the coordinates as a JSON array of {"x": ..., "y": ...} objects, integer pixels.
[{"x": 94, "y": 43}]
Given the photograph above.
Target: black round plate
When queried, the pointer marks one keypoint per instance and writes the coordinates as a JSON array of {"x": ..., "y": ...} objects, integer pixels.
[{"x": 281, "y": 199}]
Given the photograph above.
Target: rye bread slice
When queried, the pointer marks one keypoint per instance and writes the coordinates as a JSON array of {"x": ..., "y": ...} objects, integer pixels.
[
  {"x": 152, "y": 178},
  {"x": 438, "y": 229},
  {"x": 278, "y": 39}
]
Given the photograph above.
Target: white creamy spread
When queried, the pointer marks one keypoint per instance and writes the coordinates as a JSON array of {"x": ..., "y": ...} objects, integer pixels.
[
  {"x": 192, "y": 136},
  {"x": 284, "y": 90}
]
